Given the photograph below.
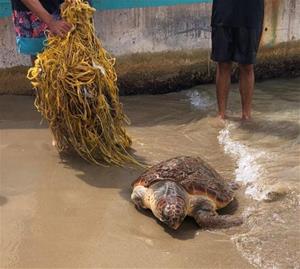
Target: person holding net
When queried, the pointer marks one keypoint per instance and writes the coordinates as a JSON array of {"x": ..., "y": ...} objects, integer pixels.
[{"x": 31, "y": 19}]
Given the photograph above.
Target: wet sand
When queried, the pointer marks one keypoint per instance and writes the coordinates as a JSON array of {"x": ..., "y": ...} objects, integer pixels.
[{"x": 70, "y": 214}]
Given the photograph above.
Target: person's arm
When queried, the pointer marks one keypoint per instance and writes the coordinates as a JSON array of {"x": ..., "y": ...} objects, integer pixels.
[{"x": 56, "y": 27}]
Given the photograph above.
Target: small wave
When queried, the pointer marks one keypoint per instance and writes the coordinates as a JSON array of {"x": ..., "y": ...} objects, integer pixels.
[
  {"x": 253, "y": 253},
  {"x": 200, "y": 100},
  {"x": 248, "y": 170}
]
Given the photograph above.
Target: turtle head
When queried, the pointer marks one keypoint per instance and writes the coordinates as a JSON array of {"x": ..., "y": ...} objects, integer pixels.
[
  {"x": 172, "y": 211},
  {"x": 170, "y": 204}
]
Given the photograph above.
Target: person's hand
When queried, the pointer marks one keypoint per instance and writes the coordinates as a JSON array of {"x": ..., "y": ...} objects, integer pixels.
[{"x": 59, "y": 27}]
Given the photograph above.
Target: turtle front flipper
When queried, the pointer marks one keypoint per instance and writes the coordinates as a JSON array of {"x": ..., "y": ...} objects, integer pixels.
[
  {"x": 210, "y": 219},
  {"x": 204, "y": 212}
]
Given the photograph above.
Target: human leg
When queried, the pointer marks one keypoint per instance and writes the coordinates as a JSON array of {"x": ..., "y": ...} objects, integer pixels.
[
  {"x": 222, "y": 51},
  {"x": 222, "y": 87},
  {"x": 246, "y": 87},
  {"x": 246, "y": 47}
]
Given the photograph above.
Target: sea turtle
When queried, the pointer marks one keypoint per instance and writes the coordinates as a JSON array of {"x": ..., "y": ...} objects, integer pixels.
[{"x": 185, "y": 186}]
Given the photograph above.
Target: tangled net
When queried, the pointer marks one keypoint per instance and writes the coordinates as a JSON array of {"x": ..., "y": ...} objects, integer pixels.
[{"x": 75, "y": 81}]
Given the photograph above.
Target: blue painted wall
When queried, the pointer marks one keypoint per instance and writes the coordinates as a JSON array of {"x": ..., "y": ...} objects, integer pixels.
[
  {"x": 119, "y": 4},
  {"x": 5, "y": 9}
]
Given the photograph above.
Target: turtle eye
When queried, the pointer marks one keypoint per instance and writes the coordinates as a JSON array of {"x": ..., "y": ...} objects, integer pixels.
[{"x": 165, "y": 219}]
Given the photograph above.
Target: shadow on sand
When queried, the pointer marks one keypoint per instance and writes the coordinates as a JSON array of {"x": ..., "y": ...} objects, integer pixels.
[
  {"x": 121, "y": 179},
  {"x": 189, "y": 227},
  {"x": 3, "y": 200}
]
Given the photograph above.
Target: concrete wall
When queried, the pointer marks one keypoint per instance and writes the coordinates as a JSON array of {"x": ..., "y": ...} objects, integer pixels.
[
  {"x": 154, "y": 29},
  {"x": 282, "y": 20},
  {"x": 164, "y": 46}
]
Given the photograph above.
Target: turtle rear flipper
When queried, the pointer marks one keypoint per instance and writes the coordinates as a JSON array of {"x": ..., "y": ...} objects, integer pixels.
[{"x": 210, "y": 219}]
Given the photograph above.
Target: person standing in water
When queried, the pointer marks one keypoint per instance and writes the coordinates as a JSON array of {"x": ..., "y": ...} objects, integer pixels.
[
  {"x": 31, "y": 18},
  {"x": 236, "y": 31}
]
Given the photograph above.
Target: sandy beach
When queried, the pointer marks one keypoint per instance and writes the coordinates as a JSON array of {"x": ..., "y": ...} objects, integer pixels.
[
  {"x": 71, "y": 214},
  {"x": 61, "y": 212}
]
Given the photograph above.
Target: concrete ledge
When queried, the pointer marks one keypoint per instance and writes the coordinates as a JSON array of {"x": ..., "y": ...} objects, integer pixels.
[
  {"x": 173, "y": 71},
  {"x": 162, "y": 72},
  {"x": 13, "y": 81}
]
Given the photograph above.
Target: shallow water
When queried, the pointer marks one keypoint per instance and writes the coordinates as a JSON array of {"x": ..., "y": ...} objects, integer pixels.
[
  {"x": 71, "y": 214},
  {"x": 262, "y": 155}
]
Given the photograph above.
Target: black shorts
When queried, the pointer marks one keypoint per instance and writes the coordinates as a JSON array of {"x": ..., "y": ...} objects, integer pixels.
[{"x": 235, "y": 44}]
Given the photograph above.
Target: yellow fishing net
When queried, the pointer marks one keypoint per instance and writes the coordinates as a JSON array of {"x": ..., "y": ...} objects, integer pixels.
[{"x": 75, "y": 81}]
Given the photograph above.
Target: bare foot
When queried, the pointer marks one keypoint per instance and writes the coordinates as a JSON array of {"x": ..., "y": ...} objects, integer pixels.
[
  {"x": 221, "y": 117},
  {"x": 246, "y": 118},
  {"x": 54, "y": 142},
  {"x": 218, "y": 122}
]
